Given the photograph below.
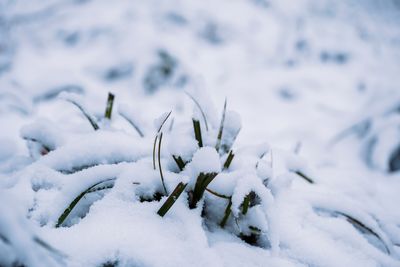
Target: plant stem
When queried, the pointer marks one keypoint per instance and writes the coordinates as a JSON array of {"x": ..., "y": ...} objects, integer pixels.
[
  {"x": 171, "y": 199},
  {"x": 228, "y": 160},
  {"x": 221, "y": 128},
  {"x": 226, "y": 214},
  {"x": 159, "y": 164},
  {"x": 197, "y": 132},
  {"x": 109, "y": 106}
]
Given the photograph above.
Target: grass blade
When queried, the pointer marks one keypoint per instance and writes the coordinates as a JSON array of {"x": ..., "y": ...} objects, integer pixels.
[
  {"x": 246, "y": 204},
  {"x": 201, "y": 110},
  {"x": 132, "y": 123},
  {"x": 154, "y": 152},
  {"x": 202, "y": 181},
  {"x": 364, "y": 228},
  {"x": 159, "y": 164},
  {"x": 217, "y": 194},
  {"x": 197, "y": 132},
  {"x": 179, "y": 161},
  {"x": 305, "y": 177},
  {"x": 88, "y": 117},
  {"x": 68, "y": 210},
  {"x": 163, "y": 122},
  {"x": 228, "y": 160},
  {"x": 226, "y": 214},
  {"x": 109, "y": 106},
  {"x": 221, "y": 128},
  {"x": 171, "y": 199}
]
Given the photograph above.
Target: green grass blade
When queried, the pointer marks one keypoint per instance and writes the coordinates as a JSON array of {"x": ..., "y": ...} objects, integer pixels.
[
  {"x": 132, "y": 123},
  {"x": 109, "y": 106},
  {"x": 246, "y": 204},
  {"x": 159, "y": 164},
  {"x": 226, "y": 214},
  {"x": 163, "y": 122},
  {"x": 171, "y": 199},
  {"x": 154, "y": 152},
  {"x": 217, "y": 194},
  {"x": 179, "y": 161},
  {"x": 228, "y": 160},
  {"x": 197, "y": 132},
  {"x": 88, "y": 117},
  {"x": 68, "y": 210},
  {"x": 201, "y": 110},
  {"x": 202, "y": 181},
  {"x": 305, "y": 177},
  {"x": 221, "y": 129}
]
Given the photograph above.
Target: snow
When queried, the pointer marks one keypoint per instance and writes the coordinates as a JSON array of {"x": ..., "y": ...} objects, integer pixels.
[{"x": 311, "y": 87}]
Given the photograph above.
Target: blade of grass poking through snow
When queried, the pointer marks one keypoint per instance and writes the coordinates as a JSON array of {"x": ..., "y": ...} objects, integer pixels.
[
  {"x": 246, "y": 204},
  {"x": 197, "y": 132},
  {"x": 163, "y": 122},
  {"x": 217, "y": 194},
  {"x": 132, "y": 123},
  {"x": 154, "y": 152},
  {"x": 202, "y": 182},
  {"x": 171, "y": 199},
  {"x": 88, "y": 117},
  {"x": 109, "y": 106},
  {"x": 226, "y": 214},
  {"x": 201, "y": 110},
  {"x": 68, "y": 210},
  {"x": 228, "y": 160},
  {"x": 364, "y": 229},
  {"x": 221, "y": 128},
  {"x": 305, "y": 177},
  {"x": 159, "y": 164},
  {"x": 179, "y": 161}
]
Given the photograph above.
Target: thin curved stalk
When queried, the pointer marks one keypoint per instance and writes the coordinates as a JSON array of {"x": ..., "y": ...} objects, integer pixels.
[
  {"x": 201, "y": 110},
  {"x": 159, "y": 164},
  {"x": 163, "y": 122},
  {"x": 221, "y": 129},
  {"x": 88, "y": 117},
  {"x": 68, "y": 210},
  {"x": 133, "y": 124},
  {"x": 217, "y": 194}
]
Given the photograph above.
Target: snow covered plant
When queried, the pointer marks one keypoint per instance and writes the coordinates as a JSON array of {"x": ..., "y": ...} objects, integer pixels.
[
  {"x": 227, "y": 188},
  {"x": 177, "y": 182}
]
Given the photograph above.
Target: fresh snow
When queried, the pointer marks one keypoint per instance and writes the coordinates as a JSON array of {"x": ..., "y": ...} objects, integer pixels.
[{"x": 312, "y": 92}]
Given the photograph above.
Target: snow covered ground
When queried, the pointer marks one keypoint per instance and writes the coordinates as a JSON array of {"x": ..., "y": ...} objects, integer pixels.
[{"x": 317, "y": 88}]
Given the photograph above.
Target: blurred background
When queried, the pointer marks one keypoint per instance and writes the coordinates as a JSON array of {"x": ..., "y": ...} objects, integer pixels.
[{"x": 323, "y": 73}]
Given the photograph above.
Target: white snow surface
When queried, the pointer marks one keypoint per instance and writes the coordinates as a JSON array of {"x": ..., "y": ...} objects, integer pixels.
[{"x": 312, "y": 90}]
